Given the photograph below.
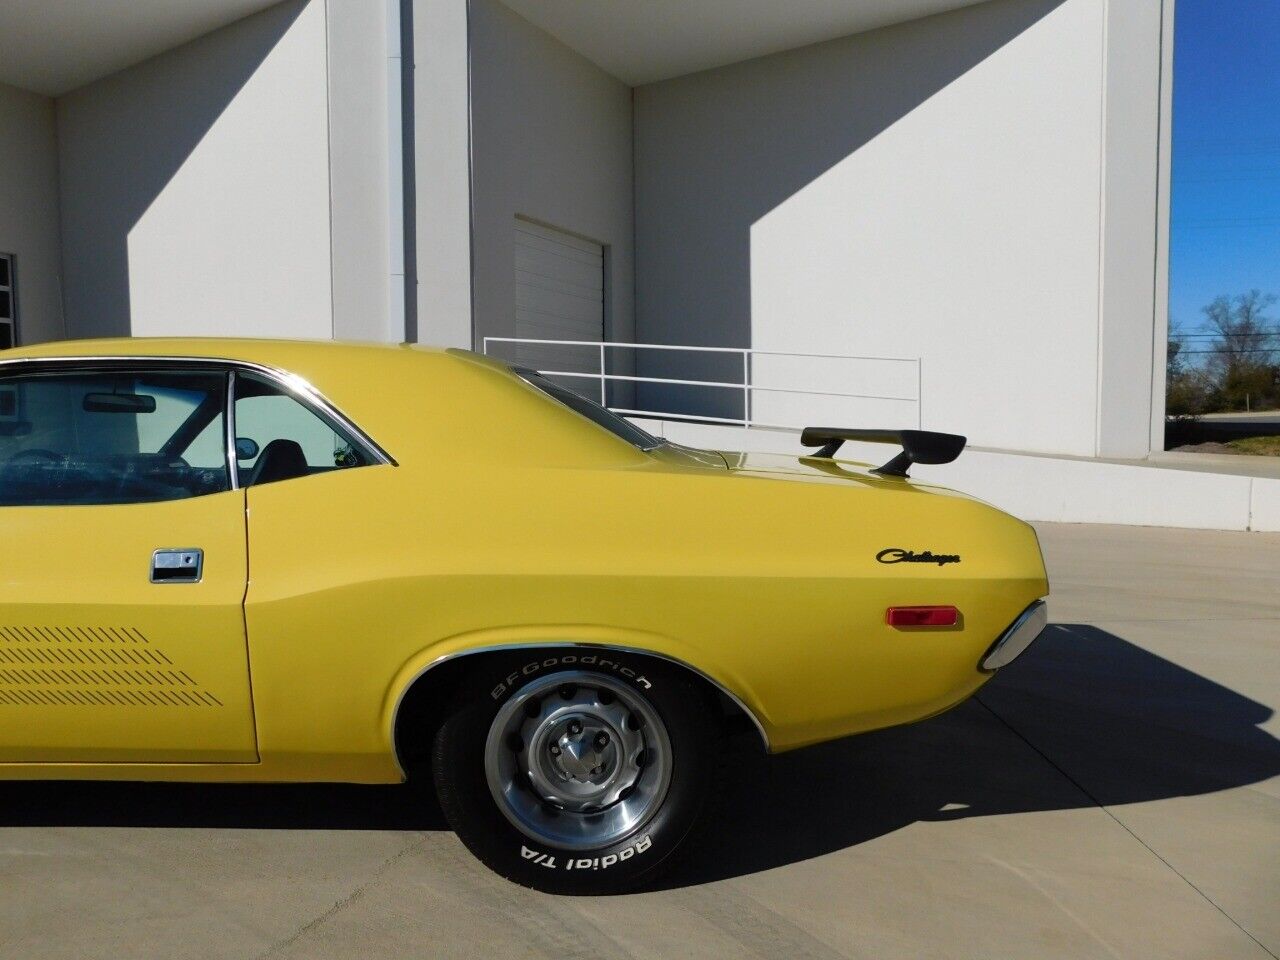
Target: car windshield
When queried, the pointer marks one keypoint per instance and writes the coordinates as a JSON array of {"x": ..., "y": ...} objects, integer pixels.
[{"x": 597, "y": 414}]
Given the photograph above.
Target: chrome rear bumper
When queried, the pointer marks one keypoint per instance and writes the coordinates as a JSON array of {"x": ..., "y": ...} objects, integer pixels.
[{"x": 1020, "y": 635}]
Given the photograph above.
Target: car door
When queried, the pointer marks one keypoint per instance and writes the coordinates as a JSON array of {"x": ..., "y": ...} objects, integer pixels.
[
  {"x": 123, "y": 568},
  {"x": 301, "y": 466}
]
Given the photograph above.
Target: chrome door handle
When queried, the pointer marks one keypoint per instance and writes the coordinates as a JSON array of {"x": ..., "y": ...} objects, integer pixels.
[{"x": 177, "y": 565}]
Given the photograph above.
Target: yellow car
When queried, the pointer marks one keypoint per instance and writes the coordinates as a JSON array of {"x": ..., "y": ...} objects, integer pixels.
[{"x": 281, "y": 561}]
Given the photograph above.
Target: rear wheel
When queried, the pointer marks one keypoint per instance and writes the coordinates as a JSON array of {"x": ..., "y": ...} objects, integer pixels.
[{"x": 575, "y": 773}]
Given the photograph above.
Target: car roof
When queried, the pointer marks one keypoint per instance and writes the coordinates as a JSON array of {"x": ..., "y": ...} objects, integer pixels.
[
  {"x": 269, "y": 352},
  {"x": 384, "y": 389}
]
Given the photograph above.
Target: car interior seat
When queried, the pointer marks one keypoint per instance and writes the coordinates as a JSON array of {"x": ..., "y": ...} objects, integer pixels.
[{"x": 280, "y": 460}]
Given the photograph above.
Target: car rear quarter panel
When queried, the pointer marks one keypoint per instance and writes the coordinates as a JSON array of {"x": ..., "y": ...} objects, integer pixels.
[{"x": 359, "y": 580}]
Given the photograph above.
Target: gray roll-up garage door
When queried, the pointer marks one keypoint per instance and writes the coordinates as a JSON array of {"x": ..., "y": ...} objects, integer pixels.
[{"x": 559, "y": 296}]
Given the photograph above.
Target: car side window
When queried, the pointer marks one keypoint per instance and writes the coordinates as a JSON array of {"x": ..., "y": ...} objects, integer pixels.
[
  {"x": 280, "y": 438},
  {"x": 111, "y": 436}
]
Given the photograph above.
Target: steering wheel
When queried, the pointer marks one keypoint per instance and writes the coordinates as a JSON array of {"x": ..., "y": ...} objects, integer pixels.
[{"x": 35, "y": 453}]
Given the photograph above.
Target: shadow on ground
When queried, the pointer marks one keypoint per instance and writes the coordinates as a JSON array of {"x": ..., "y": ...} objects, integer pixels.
[
  {"x": 322, "y": 806},
  {"x": 1085, "y": 718}
]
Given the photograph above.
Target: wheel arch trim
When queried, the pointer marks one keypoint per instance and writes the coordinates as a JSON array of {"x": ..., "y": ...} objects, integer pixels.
[{"x": 439, "y": 661}]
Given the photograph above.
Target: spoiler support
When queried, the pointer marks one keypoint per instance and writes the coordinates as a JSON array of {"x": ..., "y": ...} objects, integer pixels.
[{"x": 918, "y": 446}]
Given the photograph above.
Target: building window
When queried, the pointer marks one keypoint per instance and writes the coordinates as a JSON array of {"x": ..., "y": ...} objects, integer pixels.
[{"x": 8, "y": 304}]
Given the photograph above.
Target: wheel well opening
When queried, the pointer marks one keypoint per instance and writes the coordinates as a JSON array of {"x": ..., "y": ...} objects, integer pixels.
[{"x": 433, "y": 694}]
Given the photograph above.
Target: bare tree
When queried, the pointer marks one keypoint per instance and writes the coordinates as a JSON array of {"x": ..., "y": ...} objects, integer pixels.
[
  {"x": 1188, "y": 388},
  {"x": 1175, "y": 362},
  {"x": 1245, "y": 348}
]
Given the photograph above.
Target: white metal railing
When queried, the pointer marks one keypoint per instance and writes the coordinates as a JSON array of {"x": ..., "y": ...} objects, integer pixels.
[{"x": 747, "y": 387}]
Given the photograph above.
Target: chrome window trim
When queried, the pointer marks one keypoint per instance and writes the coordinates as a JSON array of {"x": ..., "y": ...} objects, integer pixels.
[
  {"x": 564, "y": 645},
  {"x": 229, "y": 424},
  {"x": 292, "y": 384}
]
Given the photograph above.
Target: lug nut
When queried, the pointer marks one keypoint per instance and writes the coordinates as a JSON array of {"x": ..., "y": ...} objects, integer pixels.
[
  {"x": 575, "y": 727},
  {"x": 555, "y": 750},
  {"x": 602, "y": 740}
]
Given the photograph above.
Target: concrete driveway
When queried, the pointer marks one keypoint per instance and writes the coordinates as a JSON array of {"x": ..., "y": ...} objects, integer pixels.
[{"x": 1114, "y": 794}]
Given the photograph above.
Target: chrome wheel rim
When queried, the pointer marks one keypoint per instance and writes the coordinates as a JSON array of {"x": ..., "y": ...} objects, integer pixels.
[{"x": 577, "y": 760}]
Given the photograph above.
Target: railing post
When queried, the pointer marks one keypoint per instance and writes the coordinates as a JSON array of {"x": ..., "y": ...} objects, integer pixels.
[
  {"x": 919, "y": 393},
  {"x": 746, "y": 389},
  {"x": 603, "y": 382}
]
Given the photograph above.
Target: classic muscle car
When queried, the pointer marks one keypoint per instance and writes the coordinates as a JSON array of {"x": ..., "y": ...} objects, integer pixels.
[{"x": 281, "y": 561}]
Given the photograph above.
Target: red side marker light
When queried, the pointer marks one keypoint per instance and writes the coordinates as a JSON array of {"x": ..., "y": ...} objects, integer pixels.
[{"x": 922, "y": 616}]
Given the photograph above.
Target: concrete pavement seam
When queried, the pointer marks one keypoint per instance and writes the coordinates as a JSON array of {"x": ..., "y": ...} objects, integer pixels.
[
  {"x": 759, "y": 930},
  {"x": 1100, "y": 620},
  {"x": 1125, "y": 827},
  {"x": 345, "y": 902}
]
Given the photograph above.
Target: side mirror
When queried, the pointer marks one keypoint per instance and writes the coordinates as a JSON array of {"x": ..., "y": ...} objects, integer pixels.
[{"x": 246, "y": 449}]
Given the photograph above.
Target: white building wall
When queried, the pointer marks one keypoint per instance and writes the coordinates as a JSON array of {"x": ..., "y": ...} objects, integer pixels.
[
  {"x": 1164, "y": 151},
  {"x": 368, "y": 270},
  {"x": 442, "y": 163},
  {"x": 1133, "y": 331},
  {"x": 29, "y": 209},
  {"x": 551, "y": 141},
  {"x": 929, "y": 190},
  {"x": 195, "y": 187}
]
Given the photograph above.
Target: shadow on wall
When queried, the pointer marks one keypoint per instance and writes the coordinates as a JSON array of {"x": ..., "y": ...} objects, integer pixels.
[
  {"x": 122, "y": 140},
  {"x": 717, "y": 151},
  {"x": 1116, "y": 723}
]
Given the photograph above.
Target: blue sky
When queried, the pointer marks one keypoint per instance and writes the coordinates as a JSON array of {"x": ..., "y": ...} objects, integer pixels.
[{"x": 1225, "y": 228}]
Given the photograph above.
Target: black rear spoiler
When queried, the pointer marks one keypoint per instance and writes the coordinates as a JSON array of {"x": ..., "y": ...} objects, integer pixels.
[{"x": 918, "y": 446}]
